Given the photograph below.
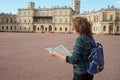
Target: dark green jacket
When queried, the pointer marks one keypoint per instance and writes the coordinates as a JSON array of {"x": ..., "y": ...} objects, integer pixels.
[{"x": 79, "y": 55}]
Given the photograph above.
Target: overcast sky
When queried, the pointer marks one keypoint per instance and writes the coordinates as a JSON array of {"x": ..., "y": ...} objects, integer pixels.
[{"x": 12, "y": 6}]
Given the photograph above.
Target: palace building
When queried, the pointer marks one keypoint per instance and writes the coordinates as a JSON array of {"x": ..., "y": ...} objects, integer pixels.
[
  {"x": 59, "y": 19},
  {"x": 104, "y": 21}
]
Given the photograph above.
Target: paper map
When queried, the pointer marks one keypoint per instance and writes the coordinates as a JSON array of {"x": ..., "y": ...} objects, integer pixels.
[{"x": 60, "y": 50}]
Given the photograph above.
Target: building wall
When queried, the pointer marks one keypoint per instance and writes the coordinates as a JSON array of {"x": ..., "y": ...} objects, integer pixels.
[
  {"x": 104, "y": 21},
  {"x": 8, "y": 22}
]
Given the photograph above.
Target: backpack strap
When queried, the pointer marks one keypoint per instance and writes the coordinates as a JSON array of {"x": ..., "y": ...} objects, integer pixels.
[
  {"x": 91, "y": 40},
  {"x": 93, "y": 45}
]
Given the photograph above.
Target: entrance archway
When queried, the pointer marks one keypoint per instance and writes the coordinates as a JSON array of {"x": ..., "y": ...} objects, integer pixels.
[
  {"x": 111, "y": 29},
  {"x": 46, "y": 29},
  {"x": 42, "y": 28},
  {"x": 34, "y": 28},
  {"x": 50, "y": 28}
]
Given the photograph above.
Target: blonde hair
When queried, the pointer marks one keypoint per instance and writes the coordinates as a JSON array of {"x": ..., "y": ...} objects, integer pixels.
[{"x": 82, "y": 26}]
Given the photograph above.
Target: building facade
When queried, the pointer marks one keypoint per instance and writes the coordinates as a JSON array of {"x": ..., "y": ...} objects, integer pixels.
[
  {"x": 57, "y": 19},
  {"x": 104, "y": 21},
  {"x": 8, "y": 22},
  {"x": 45, "y": 20}
]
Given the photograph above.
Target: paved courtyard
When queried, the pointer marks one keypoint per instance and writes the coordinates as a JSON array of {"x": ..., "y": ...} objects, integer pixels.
[{"x": 23, "y": 56}]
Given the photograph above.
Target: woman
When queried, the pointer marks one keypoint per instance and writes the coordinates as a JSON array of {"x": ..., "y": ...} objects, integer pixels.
[{"x": 80, "y": 50}]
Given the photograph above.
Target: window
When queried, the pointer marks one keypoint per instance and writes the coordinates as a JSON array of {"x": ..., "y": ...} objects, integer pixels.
[
  {"x": 11, "y": 20},
  {"x": 60, "y": 20},
  {"x": 7, "y": 20},
  {"x": 20, "y": 28},
  {"x": 117, "y": 28},
  {"x": 28, "y": 13},
  {"x": 24, "y": 21},
  {"x": 38, "y": 29},
  {"x": 6, "y": 27},
  {"x": 15, "y": 21},
  {"x": 15, "y": 27},
  {"x": 24, "y": 14},
  {"x": 29, "y": 28},
  {"x": 48, "y": 21},
  {"x": 60, "y": 29},
  {"x": 65, "y": 12},
  {"x": 104, "y": 28},
  {"x": 55, "y": 12},
  {"x": 66, "y": 29},
  {"x": 55, "y": 29},
  {"x": 65, "y": 20},
  {"x": 117, "y": 16},
  {"x": 47, "y": 13},
  {"x": 11, "y": 27},
  {"x": 60, "y": 12},
  {"x": 42, "y": 14},
  {"x": 20, "y": 20},
  {"x": 45, "y": 29},
  {"x": 29, "y": 20},
  {"x": 51, "y": 13},
  {"x": 19, "y": 13},
  {"x": 93, "y": 28},
  {"x": 24, "y": 28},
  {"x": 104, "y": 16},
  {"x": 2, "y": 20},
  {"x": 96, "y": 18},
  {"x": 111, "y": 17},
  {"x": 42, "y": 27},
  {"x": 55, "y": 20},
  {"x": 2, "y": 27}
]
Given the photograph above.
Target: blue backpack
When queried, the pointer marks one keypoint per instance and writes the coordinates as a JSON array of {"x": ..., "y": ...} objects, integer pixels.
[{"x": 95, "y": 63}]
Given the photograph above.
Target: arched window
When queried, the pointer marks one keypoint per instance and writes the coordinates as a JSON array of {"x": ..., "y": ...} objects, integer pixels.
[
  {"x": 38, "y": 29},
  {"x": 55, "y": 28},
  {"x": 11, "y": 27},
  {"x": 2, "y": 27},
  {"x": 45, "y": 29},
  {"x": 50, "y": 28},
  {"x": 104, "y": 28},
  {"x": 60, "y": 29},
  {"x": 42, "y": 28},
  {"x": 66, "y": 29},
  {"x": 6, "y": 27},
  {"x": 15, "y": 27},
  {"x": 117, "y": 28}
]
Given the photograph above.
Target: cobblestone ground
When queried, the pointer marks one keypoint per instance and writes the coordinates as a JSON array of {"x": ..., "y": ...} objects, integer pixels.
[{"x": 23, "y": 56}]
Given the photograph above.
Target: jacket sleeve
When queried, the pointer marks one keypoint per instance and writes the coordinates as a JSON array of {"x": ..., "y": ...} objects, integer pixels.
[{"x": 77, "y": 51}]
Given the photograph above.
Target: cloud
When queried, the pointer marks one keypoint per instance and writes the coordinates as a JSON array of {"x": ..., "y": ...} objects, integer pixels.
[{"x": 118, "y": 2}]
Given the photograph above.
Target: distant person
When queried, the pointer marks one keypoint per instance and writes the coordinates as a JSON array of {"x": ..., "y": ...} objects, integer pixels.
[{"x": 80, "y": 50}]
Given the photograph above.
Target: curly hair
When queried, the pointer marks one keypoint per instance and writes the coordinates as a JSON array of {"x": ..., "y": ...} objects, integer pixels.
[{"x": 82, "y": 26}]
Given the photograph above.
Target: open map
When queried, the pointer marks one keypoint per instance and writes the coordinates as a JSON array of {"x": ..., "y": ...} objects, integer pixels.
[{"x": 60, "y": 50}]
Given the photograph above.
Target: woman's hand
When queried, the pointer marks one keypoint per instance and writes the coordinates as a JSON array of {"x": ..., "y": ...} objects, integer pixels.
[
  {"x": 53, "y": 53},
  {"x": 57, "y": 55}
]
